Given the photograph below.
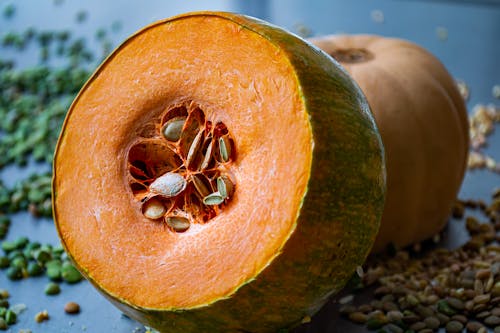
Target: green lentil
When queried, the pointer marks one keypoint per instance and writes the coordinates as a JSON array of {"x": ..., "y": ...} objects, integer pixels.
[
  {"x": 14, "y": 273},
  {"x": 70, "y": 274},
  {"x": 4, "y": 262},
  {"x": 3, "y": 324},
  {"x": 53, "y": 272},
  {"x": 19, "y": 262},
  {"x": 52, "y": 289},
  {"x": 34, "y": 269},
  {"x": 10, "y": 317}
]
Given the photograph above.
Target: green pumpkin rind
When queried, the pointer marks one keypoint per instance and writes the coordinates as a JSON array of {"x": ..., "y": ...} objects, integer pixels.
[{"x": 340, "y": 212}]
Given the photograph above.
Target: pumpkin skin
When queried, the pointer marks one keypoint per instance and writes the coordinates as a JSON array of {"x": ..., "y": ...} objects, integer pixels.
[
  {"x": 309, "y": 175},
  {"x": 423, "y": 123}
]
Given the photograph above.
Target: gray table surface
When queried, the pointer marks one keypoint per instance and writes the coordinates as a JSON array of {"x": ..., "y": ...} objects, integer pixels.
[{"x": 471, "y": 51}]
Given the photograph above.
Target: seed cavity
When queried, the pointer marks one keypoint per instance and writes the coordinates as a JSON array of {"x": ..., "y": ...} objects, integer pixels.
[{"x": 180, "y": 172}]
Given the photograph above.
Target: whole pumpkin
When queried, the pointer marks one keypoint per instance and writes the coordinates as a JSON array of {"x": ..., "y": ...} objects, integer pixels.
[
  {"x": 423, "y": 122},
  {"x": 203, "y": 183}
]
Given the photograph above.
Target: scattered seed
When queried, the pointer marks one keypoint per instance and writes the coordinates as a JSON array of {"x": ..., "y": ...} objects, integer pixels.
[
  {"x": 52, "y": 289},
  {"x": 72, "y": 308},
  {"x": 70, "y": 274},
  {"x": 42, "y": 316},
  {"x": 358, "y": 317},
  {"x": 10, "y": 317},
  {"x": 492, "y": 321},
  {"x": 454, "y": 327}
]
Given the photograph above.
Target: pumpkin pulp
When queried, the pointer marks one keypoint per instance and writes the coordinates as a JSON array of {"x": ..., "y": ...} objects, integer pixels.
[{"x": 259, "y": 101}]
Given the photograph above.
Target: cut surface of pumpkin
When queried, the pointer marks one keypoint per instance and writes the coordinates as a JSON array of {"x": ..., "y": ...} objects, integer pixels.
[{"x": 198, "y": 165}]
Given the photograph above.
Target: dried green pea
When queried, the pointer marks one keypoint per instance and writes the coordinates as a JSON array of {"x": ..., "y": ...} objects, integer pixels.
[
  {"x": 53, "y": 272},
  {"x": 3, "y": 324},
  {"x": 34, "y": 269},
  {"x": 4, "y": 262},
  {"x": 21, "y": 242},
  {"x": 10, "y": 317},
  {"x": 52, "y": 289},
  {"x": 19, "y": 262},
  {"x": 14, "y": 273},
  {"x": 70, "y": 274},
  {"x": 3, "y": 310},
  {"x": 42, "y": 256},
  {"x": 4, "y": 304},
  {"x": 8, "y": 246}
]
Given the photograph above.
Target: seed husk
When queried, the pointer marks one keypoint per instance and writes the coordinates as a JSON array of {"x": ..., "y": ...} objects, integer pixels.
[
  {"x": 173, "y": 128},
  {"x": 178, "y": 223},
  {"x": 208, "y": 156},
  {"x": 200, "y": 186},
  {"x": 194, "y": 148},
  {"x": 168, "y": 185},
  {"x": 153, "y": 209},
  {"x": 213, "y": 199},
  {"x": 225, "y": 148},
  {"x": 72, "y": 308},
  {"x": 224, "y": 186}
]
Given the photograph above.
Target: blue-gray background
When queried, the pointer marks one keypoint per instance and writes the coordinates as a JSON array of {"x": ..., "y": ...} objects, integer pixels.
[{"x": 465, "y": 35}]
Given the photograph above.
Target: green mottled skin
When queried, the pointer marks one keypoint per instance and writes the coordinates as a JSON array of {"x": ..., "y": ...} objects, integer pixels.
[{"x": 339, "y": 217}]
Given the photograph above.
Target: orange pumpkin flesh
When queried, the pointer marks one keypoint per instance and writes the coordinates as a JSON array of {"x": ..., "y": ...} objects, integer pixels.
[
  {"x": 308, "y": 175},
  {"x": 423, "y": 123}
]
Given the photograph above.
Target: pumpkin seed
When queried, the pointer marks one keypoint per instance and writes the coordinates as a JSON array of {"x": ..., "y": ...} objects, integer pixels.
[
  {"x": 224, "y": 186},
  {"x": 200, "y": 185},
  {"x": 194, "y": 148},
  {"x": 224, "y": 148},
  {"x": 213, "y": 199},
  {"x": 168, "y": 185},
  {"x": 178, "y": 223},
  {"x": 173, "y": 128},
  {"x": 153, "y": 209},
  {"x": 208, "y": 156}
]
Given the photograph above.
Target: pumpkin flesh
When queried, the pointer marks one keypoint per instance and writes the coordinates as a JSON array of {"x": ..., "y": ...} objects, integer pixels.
[{"x": 296, "y": 226}]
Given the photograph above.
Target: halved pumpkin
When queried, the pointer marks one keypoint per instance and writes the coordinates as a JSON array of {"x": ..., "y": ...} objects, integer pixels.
[{"x": 208, "y": 180}]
